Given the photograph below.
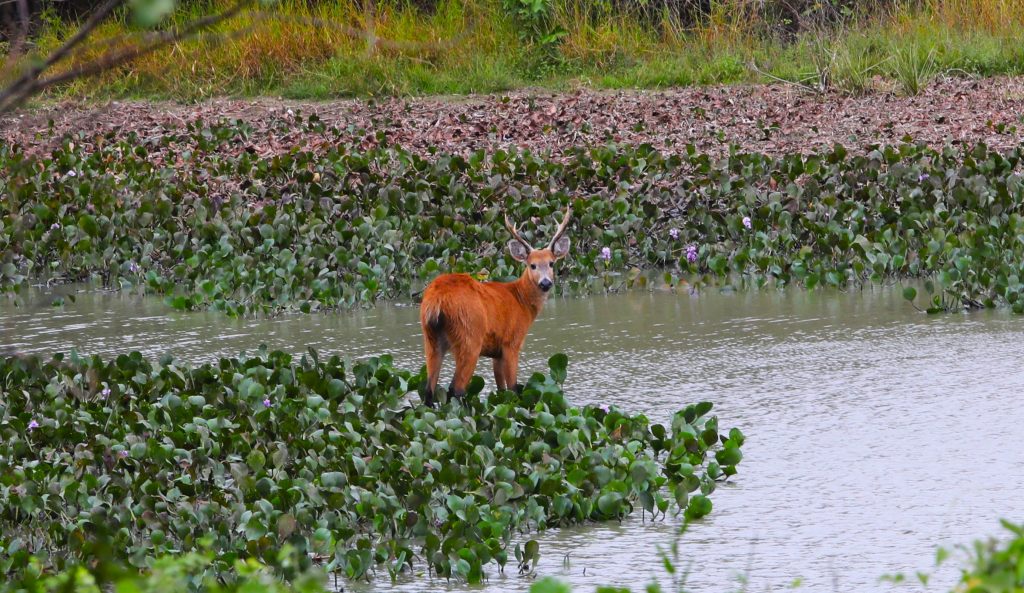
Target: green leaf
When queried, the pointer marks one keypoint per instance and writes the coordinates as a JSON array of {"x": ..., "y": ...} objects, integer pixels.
[
  {"x": 728, "y": 456},
  {"x": 532, "y": 550},
  {"x": 333, "y": 479},
  {"x": 256, "y": 391},
  {"x": 700, "y": 506},
  {"x": 87, "y": 223},
  {"x": 549, "y": 585},
  {"x": 335, "y": 388},
  {"x": 138, "y": 450},
  {"x": 558, "y": 364},
  {"x": 256, "y": 460},
  {"x": 149, "y": 13},
  {"x": 609, "y": 504}
]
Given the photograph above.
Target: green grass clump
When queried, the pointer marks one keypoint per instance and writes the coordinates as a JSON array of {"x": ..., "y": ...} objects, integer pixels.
[
  {"x": 340, "y": 48},
  {"x": 249, "y": 457}
]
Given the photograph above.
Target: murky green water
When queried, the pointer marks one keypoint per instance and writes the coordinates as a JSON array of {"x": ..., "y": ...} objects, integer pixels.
[{"x": 874, "y": 433}]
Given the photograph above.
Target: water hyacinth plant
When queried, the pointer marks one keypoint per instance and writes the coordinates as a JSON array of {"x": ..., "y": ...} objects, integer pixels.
[
  {"x": 195, "y": 215},
  {"x": 992, "y": 567},
  {"x": 334, "y": 460}
]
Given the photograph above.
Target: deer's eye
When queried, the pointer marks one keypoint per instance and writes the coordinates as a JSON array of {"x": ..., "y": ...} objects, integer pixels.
[{"x": 533, "y": 266}]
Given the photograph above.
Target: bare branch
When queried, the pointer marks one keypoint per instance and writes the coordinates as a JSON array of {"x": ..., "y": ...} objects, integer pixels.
[{"x": 16, "y": 92}]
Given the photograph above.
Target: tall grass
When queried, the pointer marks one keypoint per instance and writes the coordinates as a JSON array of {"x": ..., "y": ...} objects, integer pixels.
[{"x": 328, "y": 49}]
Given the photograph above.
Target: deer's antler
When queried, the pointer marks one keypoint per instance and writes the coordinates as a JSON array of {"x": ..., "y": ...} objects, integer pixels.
[
  {"x": 515, "y": 234},
  {"x": 561, "y": 228}
]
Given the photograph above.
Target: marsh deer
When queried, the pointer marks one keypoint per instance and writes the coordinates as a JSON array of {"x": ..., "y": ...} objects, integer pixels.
[{"x": 474, "y": 319}]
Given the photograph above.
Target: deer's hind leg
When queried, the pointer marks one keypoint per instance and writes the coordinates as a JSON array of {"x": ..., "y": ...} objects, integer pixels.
[{"x": 435, "y": 345}]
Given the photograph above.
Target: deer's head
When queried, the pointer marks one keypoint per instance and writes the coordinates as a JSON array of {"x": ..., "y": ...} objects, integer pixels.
[{"x": 540, "y": 263}]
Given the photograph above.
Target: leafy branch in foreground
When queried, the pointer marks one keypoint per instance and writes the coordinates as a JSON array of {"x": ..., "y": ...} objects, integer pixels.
[
  {"x": 33, "y": 81},
  {"x": 36, "y": 71}
]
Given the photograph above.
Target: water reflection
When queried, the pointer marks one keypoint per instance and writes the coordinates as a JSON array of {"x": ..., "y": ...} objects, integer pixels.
[{"x": 874, "y": 432}]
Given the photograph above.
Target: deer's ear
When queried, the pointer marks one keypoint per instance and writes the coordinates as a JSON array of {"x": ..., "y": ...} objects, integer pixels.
[
  {"x": 561, "y": 247},
  {"x": 518, "y": 250}
]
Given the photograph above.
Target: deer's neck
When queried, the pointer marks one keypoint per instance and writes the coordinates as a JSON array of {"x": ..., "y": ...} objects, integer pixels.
[{"x": 529, "y": 295}]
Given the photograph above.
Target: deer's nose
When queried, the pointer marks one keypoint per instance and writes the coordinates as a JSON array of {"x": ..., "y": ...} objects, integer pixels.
[{"x": 545, "y": 285}]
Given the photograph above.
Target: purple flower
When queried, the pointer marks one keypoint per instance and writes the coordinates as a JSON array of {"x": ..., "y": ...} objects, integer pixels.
[
  {"x": 606, "y": 253},
  {"x": 105, "y": 392},
  {"x": 922, "y": 177},
  {"x": 72, "y": 174},
  {"x": 32, "y": 425},
  {"x": 90, "y": 207},
  {"x": 604, "y": 408},
  {"x": 691, "y": 253},
  {"x": 266, "y": 402},
  {"x": 122, "y": 453},
  {"x": 55, "y": 226},
  {"x": 133, "y": 267},
  {"x": 746, "y": 221},
  {"x": 674, "y": 233}
]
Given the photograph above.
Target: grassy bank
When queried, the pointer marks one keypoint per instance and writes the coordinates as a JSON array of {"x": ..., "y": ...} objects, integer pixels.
[{"x": 324, "y": 49}]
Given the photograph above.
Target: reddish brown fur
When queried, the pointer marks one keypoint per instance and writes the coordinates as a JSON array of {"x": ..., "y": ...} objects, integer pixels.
[{"x": 473, "y": 319}]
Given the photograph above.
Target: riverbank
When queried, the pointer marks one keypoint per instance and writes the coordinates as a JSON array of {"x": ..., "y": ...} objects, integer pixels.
[{"x": 340, "y": 48}]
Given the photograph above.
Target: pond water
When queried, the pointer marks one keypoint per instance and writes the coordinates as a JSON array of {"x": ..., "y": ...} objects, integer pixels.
[{"x": 874, "y": 433}]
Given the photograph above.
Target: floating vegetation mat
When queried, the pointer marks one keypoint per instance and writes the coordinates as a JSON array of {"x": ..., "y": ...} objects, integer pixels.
[
  {"x": 331, "y": 461},
  {"x": 198, "y": 216}
]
